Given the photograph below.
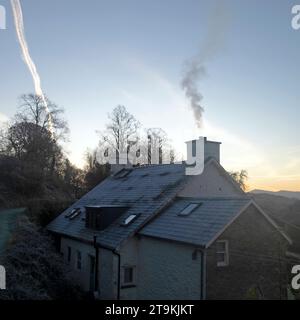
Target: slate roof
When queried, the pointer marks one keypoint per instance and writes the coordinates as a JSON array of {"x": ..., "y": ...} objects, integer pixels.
[
  {"x": 201, "y": 226},
  {"x": 151, "y": 193},
  {"x": 146, "y": 190}
]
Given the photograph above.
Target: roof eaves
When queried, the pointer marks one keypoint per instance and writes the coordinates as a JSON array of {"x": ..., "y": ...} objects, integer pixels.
[
  {"x": 200, "y": 246},
  {"x": 272, "y": 222},
  {"x": 217, "y": 235}
]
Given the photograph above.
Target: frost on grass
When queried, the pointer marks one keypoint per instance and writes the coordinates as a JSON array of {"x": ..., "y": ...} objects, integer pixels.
[{"x": 34, "y": 270}]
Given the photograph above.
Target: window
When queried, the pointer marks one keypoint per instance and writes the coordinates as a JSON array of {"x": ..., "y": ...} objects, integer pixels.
[
  {"x": 73, "y": 214},
  {"x": 128, "y": 276},
  {"x": 69, "y": 254},
  {"x": 69, "y": 214},
  {"x": 122, "y": 173},
  {"x": 79, "y": 260},
  {"x": 222, "y": 253},
  {"x": 100, "y": 217},
  {"x": 189, "y": 209},
  {"x": 129, "y": 219}
]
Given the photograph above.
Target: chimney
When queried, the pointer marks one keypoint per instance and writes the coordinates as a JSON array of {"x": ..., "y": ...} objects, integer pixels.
[{"x": 211, "y": 149}]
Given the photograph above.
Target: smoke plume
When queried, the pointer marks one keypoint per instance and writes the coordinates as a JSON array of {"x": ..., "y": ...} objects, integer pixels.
[
  {"x": 19, "y": 24},
  {"x": 195, "y": 68}
]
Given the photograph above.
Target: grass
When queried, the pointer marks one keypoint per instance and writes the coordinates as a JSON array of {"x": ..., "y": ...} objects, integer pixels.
[{"x": 8, "y": 219}]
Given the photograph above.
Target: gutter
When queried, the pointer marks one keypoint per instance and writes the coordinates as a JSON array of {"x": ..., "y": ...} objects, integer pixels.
[
  {"x": 96, "y": 264},
  {"x": 114, "y": 251},
  {"x": 202, "y": 274},
  {"x": 119, "y": 273}
]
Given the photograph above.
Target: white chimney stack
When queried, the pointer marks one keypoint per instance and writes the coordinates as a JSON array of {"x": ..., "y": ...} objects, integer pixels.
[{"x": 211, "y": 149}]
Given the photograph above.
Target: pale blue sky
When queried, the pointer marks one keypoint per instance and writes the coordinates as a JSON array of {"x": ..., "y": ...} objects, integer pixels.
[{"x": 95, "y": 54}]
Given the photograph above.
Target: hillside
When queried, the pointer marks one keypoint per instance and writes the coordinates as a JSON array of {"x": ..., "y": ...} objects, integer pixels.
[
  {"x": 283, "y": 193},
  {"x": 279, "y": 207},
  {"x": 285, "y": 211}
]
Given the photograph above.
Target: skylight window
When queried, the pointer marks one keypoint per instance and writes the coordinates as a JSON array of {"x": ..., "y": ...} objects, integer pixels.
[
  {"x": 189, "y": 209},
  {"x": 73, "y": 214},
  {"x": 123, "y": 173},
  {"x": 73, "y": 211},
  {"x": 129, "y": 219}
]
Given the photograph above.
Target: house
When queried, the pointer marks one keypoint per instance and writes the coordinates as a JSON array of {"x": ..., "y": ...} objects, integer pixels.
[{"x": 152, "y": 232}]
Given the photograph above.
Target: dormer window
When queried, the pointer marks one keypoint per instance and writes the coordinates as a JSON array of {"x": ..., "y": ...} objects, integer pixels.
[{"x": 100, "y": 217}]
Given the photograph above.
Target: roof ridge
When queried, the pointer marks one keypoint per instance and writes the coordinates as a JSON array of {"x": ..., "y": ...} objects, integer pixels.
[{"x": 155, "y": 165}]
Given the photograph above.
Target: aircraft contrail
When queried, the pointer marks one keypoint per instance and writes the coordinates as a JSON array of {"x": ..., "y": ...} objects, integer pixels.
[{"x": 18, "y": 18}]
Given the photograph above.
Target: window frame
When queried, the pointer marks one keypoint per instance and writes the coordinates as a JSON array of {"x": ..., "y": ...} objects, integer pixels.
[
  {"x": 191, "y": 206},
  {"x": 132, "y": 283},
  {"x": 225, "y": 252},
  {"x": 134, "y": 217}
]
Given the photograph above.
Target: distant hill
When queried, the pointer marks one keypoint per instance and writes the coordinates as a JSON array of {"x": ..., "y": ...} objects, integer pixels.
[
  {"x": 283, "y": 193},
  {"x": 279, "y": 207},
  {"x": 284, "y": 208}
]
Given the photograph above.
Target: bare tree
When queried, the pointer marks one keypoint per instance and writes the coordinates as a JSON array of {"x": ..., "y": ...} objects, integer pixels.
[
  {"x": 32, "y": 109},
  {"x": 28, "y": 137},
  {"x": 156, "y": 147},
  {"x": 121, "y": 132}
]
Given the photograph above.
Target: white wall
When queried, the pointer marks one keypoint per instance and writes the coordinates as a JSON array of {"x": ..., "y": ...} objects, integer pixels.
[
  {"x": 167, "y": 271},
  {"x": 211, "y": 183},
  {"x": 129, "y": 257},
  {"x": 82, "y": 276},
  {"x": 107, "y": 267},
  {"x": 163, "y": 270}
]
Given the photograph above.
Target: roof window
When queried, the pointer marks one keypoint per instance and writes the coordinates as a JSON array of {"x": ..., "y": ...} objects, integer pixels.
[
  {"x": 128, "y": 220},
  {"x": 123, "y": 173},
  {"x": 73, "y": 214},
  {"x": 189, "y": 209}
]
